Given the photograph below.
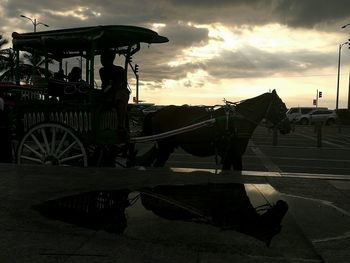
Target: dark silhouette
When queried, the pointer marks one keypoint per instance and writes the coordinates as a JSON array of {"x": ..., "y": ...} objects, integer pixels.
[
  {"x": 93, "y": 210},
  {"x": 59, "y": 75},
  {"x": 5, "y": 137},
  {"x": 114, "y": 85},
  {"x": 226, "y": 206},
  {"x": 228, "y": 137},
  {"x": 75, "y": 75}
]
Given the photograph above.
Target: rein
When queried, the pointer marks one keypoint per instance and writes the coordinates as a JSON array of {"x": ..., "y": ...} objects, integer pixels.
[
  {"x": 229, "y": 103},
  {"x": 235, "y": 111}
]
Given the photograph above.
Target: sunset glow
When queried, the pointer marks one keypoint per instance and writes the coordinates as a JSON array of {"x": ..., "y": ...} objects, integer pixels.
[{"x": 230, "y": 49}]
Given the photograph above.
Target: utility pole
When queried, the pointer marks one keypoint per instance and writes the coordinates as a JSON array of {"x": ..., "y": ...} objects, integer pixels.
[
  {"x": 349, "y": 94},
  {"x": 338, "y": 78}
]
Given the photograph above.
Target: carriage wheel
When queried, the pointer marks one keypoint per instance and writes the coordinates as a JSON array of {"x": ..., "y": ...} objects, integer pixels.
[{"x": 51, "y": 144}]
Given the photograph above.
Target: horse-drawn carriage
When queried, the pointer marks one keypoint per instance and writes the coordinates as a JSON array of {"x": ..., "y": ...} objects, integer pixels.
[
  {"x": 68, "y": 123},
  {"x": 60, "y": 123},
  {"x": 55, "y": 122}
]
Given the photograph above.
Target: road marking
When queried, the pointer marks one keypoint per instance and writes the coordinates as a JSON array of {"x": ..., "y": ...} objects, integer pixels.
[
  {"x": 266, "y": 161},
  {"x": 311, "y": 159},
  {"x": 323, "y": 141}
]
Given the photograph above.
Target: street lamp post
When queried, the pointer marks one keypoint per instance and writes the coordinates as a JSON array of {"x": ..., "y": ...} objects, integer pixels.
[
  {"x": 339, "y": 53},
  {"x": 34, "y": 22}
]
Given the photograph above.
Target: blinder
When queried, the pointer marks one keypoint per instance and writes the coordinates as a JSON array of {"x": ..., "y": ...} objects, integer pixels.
[{"x": 276, "y": 115}]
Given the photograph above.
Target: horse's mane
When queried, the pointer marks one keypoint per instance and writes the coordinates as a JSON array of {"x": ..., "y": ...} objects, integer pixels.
[{"x": 252, "y": 109}]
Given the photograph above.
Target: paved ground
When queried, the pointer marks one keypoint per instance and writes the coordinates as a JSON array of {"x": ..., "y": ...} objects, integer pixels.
[
  {"x": 296, "y": 152},
  {"x": 313, "y": 181}
]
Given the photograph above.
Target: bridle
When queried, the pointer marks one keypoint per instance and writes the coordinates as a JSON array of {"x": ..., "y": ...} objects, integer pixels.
[
  {"x": 231, "y": 108},
  {"x": 273, "y": 107}
]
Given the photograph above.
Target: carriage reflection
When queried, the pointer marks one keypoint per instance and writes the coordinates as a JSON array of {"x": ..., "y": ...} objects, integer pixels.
[{"x": 224, "y": 206}]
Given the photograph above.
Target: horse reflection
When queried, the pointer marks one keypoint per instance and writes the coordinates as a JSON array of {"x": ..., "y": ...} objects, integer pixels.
[
  {"x": 227, "y": 138},
  {"x": 225, "y": 206}
]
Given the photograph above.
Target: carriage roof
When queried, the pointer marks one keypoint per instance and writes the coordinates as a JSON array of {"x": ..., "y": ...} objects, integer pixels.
[{"x": 70, "y": 42}]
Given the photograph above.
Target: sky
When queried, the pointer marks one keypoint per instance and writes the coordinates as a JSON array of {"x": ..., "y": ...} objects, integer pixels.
[{"x": 222, "y": 49}]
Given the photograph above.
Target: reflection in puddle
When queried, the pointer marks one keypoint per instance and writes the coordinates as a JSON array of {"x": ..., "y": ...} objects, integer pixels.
[
  {"x": 94, "y": 210},
  {"x": 151, "y": 210}
]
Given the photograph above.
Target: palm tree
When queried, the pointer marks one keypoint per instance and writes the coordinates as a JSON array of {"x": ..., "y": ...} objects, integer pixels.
[
  {"x": 7, "y": 64},
  {"x": 36, "y": 63},
  {"x": 7, "y": 61},
  {"x": 35, "y": 60},
  {"x": 3, "y": 53},
  {"x": 27, "y": 70},
  {"x": 3, "y": 41}
]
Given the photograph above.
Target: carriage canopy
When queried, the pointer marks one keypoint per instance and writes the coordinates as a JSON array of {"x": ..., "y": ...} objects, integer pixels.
[
  {"x": 84, "y": 42},
  {"x": 65, "y": 43}
]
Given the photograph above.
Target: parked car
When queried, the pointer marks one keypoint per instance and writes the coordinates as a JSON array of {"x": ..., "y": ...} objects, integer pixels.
[
  {"x": 326, "y": 116},
  {"x": 302, "y": 114},
  {"x": 151, "y": 109}
]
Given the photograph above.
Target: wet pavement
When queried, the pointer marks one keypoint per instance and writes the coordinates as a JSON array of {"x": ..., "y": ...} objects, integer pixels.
[
  {"x": 296, "y": 152},
  {"x": 62, "y": 214}
]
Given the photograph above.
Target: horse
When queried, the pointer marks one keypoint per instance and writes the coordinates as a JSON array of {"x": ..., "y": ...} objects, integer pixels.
[{"x": 227, "y": 138}]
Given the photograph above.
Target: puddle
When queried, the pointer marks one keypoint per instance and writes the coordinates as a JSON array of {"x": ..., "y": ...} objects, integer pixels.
[{"x": 195, "y": 213}]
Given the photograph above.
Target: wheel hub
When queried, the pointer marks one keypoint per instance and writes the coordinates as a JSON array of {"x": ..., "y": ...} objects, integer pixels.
[{"x": 51, "y": 160}]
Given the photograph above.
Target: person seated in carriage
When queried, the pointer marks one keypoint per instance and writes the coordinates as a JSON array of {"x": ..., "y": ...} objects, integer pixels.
[
  {"x": 75, "y": 75},
  {"x": 68, "y": 87},
  {"x": 114, "y": 86},
  {"x": 59, "y": 75}
]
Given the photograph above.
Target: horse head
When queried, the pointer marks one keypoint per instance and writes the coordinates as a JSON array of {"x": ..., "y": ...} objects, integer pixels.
[{"x": 276, "y": 114}]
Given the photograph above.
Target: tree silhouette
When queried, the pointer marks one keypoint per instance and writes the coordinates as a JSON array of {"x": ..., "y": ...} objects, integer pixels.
[
  {"x": 7, "y": 64},
  {"x": 8, "y": 61},
  {"x": 7, "y": 58}
]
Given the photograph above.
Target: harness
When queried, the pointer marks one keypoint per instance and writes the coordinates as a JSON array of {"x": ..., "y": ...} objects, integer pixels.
[{"x": 231, "y": 111}]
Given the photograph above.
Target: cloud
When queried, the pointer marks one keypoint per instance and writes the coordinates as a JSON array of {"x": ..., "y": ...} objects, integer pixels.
[
  {"x": 255, "y": 63},
  {"x": 294, "y": 13},
  {"x": 181, "y": 19},
  {"x": 310, "y": 13},
  {"x": 184, "y": 35}
]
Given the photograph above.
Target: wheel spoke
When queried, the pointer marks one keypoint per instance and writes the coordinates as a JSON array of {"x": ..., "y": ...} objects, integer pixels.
[
  {"x": 53, "y": 140},
  {"x": 67, "y": 149},
  {"x": 51, "y": 144},
  {"x": 74, "y": 157},
  {"x": 37, "y": 143},
  {"x": 43, "y": 133},
  {"x": 33, "y": 151},
  {"x": 31, "y": 159},
  {"x": 61, "y": 143}
]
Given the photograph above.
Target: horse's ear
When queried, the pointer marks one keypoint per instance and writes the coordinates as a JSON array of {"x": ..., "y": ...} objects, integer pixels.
[{"x": 274, "y": 92}]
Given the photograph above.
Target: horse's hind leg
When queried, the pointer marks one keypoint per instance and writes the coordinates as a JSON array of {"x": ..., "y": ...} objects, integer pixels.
[
  {"x": 226, "y": 164},
  {"x": 237, "y": 163},
  {"x": 234, "y": 161},
  {"x": 145, "y": 159},
  {"x": 162, "y": 158},
  {"x": 163, "y": 154}
]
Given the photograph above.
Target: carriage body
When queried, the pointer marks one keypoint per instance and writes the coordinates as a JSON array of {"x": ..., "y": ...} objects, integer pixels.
[{"x": 47, "y": 111}]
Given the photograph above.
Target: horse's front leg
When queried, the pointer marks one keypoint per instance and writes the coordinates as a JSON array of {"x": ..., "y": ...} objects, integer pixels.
[
  {"x": 232, "y": 156},
  {"x": 232, "y": 161}
]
